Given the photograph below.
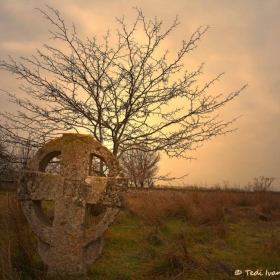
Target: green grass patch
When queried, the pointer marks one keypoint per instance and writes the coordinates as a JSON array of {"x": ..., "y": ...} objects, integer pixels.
[{"x": 211, "y": 242}]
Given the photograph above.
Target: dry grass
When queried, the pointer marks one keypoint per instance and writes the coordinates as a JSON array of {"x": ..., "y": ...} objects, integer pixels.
[
  {"x": 271, "y": 248},
  {"x": 162, "y": 235},
  {"x": 18, "y": 246},
  {"x": 202, "y": 208},
  {"x": 210, "y": 216}
]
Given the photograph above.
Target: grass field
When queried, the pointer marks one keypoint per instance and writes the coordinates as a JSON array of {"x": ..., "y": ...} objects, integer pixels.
[{"x": 192, "y": 235}]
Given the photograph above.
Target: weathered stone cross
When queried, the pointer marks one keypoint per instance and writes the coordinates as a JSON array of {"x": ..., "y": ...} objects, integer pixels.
[{"x": 67, "y": 245}]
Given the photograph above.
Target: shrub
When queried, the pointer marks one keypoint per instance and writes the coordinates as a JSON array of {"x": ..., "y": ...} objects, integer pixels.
[{"x": 260, "y": 184}]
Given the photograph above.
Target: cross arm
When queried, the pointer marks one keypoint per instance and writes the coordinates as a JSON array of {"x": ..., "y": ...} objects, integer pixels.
[
  {"x": 105, "y": 190},
  {"x": 34, "y": 185}
]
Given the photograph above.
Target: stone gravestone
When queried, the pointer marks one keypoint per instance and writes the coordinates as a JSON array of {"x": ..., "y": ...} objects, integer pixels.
[{"x": 67, "y": 245}]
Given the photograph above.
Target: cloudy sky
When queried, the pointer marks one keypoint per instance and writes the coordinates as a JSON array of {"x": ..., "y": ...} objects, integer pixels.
[{"x": 243, "y": 41}]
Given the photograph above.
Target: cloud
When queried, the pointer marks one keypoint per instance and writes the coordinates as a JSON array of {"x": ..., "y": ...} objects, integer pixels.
[{"x": 243, "y": 42}]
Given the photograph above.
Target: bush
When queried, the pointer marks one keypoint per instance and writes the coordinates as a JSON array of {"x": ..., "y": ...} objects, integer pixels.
[{"x": 261, "y": 184}]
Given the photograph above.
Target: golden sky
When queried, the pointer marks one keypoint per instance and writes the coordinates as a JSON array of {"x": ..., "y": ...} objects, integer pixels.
[{"x": 243, "y": 42}]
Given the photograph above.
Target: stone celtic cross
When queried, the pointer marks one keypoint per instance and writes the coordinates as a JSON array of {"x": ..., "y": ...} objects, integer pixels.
[{"x": 67, "y": 245}]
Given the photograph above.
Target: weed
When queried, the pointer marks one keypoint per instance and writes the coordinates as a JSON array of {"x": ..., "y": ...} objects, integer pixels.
[{"x": 18, "y": 250}]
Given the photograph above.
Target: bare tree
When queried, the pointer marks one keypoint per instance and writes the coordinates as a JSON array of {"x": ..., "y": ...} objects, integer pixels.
[
  {"x": 261, "y": 184},
  {"x": 118, "y": 93},
  {"x": 4, "y": 161},
  {"x": 13, "y": 158},
  {"x": 140, "y": 166},
  {"x": 23, "y": 154}
]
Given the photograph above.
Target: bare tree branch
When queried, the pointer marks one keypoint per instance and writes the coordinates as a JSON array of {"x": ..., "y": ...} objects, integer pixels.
[{"x": 119, "y": 93}]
